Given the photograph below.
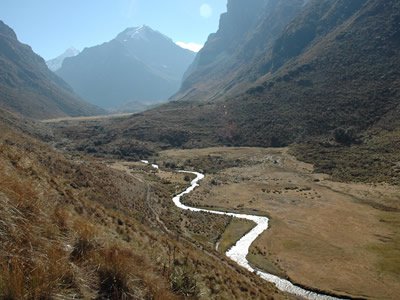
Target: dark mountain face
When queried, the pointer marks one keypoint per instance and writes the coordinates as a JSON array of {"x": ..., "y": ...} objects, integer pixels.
[
  {"x": 139, "y": 65},
  {"x": 246, "y": 31},
  {"x": 29, "y": 88},
  {"x": 317, "y": 20},
  {"x": 334, "y": 64},
  {"x": 234, "y": 26},
  {"x": 339, "y": 70}
]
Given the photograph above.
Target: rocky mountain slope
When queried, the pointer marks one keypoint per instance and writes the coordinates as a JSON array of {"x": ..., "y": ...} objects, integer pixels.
[
  {"x": 245, "y": 33},
  {"x": 139, "y": 66},
  {"x": 56, "y": 63},
  {"x": 334, "y": 65},
  {"x": 29, "y": 88}
]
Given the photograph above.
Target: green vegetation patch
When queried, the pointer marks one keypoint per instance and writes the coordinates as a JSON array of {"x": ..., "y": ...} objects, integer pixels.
[
  {"x": 261, "y": 260},
  {"x": 375, "y": 160},
  {"x": 233, "y": 232}
]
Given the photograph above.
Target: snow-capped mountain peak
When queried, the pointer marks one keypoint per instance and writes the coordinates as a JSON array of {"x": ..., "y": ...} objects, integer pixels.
[
  {"x": 56, "y": 63},
  {"x": 138, "y": 33},
  {"x": 143, "y": 33}
]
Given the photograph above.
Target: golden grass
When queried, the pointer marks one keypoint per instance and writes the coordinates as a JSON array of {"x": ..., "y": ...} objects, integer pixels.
[
  {"x": 79, "y": 229},
  {"x": 388, "y": 247}
]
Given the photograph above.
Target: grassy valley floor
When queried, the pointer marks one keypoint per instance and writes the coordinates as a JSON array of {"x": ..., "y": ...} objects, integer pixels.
[{"x": 337, "y": 237}]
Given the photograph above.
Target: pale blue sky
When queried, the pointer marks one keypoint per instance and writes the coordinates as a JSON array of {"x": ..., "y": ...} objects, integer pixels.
[{"x": 52, "y": 26}]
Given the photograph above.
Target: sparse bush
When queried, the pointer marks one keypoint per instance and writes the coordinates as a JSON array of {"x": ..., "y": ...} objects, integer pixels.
[
  {"x": 345, "y": 136},
  {"x": 183, "y": 282},
  {"x": 170, "y": 165}
]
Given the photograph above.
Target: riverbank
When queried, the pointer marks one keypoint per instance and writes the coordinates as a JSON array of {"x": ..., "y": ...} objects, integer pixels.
[{"x": 336, "y": 237}]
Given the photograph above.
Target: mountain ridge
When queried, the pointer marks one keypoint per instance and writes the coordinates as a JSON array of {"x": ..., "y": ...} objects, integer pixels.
[{"x": 29, "y": 88}]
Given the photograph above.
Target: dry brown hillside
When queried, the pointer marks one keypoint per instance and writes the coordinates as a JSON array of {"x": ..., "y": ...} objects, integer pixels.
[{"x": 73, "y": 227}]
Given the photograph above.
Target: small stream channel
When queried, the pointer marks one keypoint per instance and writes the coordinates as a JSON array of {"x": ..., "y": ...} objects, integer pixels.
[{"x": 238, "y": 252}]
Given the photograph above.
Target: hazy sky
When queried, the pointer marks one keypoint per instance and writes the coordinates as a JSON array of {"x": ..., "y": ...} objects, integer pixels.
[{"x": 52, "y": 26}]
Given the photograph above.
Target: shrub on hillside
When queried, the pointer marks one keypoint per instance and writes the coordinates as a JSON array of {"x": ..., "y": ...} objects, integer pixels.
[{"x": 345, "y": 136}]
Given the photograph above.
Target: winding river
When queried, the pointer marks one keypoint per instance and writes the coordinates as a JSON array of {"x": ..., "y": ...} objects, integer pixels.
[{"x": 239, "y": 251}]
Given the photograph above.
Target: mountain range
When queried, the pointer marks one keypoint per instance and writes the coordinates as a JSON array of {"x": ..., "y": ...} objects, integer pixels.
[
  {"x": 29, "y": 88},
  {"x": 140, "y": 66},
  {"x": 325, "y": 75}
]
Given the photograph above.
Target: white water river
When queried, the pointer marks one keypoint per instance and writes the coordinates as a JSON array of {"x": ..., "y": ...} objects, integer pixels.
[{"x": 239, "y": 251}]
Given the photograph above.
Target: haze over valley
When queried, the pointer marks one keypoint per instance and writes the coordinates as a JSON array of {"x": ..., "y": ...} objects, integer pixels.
[{"x": 227, "y": 150}]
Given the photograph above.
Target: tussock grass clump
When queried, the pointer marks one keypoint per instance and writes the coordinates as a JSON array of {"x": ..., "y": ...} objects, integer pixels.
[
  {"x": 85, "y": 241},
  {"x": 116, "y": 272}
]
